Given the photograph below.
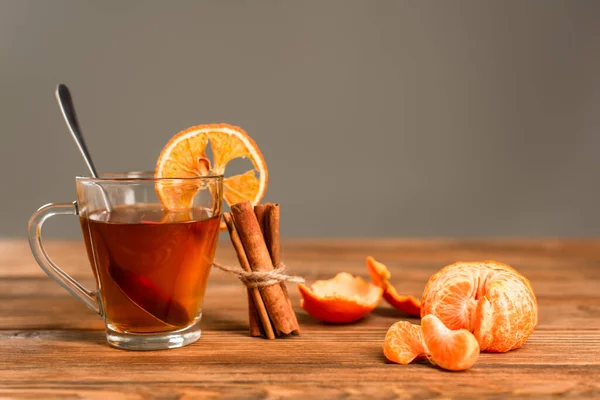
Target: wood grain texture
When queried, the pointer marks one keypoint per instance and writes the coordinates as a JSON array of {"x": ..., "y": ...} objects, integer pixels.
[{"x": 53, "y": 346}]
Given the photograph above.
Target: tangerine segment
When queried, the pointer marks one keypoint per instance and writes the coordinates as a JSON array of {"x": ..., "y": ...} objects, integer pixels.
[
  {"x": 184, "y": 156},
  {"x": 404, "y": 343},
  {"x": 454, "y": 350},
  {"x": 342, "y": 299},
  {"x": 490, "y": 299},
  {"x": 380, "y": 276}
]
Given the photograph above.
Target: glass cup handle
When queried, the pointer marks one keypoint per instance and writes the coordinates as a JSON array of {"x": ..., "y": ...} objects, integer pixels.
[{"x": 35, "y": 241}]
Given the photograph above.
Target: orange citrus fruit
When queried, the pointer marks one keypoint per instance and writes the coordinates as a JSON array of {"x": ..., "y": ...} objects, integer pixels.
[
  {"x": 490, "y": 299},
  {"x": 454, "y": 350},
  {"x": 404, "y": 343},
  {"x": 380, "y": 276},
  {"x": 341, "y": 299},
  {"x": 185, "y": 156}
]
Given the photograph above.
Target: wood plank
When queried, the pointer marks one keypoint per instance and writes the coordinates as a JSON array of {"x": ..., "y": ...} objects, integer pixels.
[
  {"x": 53, "y": 346},
  {"x": 77, "y": 356},
  {"x": 575, "y": 387},
  {"x": 60, "y": 311}
]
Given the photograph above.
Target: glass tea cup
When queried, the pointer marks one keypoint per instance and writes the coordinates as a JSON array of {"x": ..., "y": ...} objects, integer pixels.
[{"x": 151, "y": 266}]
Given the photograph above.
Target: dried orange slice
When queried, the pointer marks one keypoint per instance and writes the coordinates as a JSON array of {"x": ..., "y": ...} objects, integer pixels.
[
  {"x": 185, "y": 156},
  {"x": 404, "y": 343},
  {"x": 342, "y": 299},
  {"x": 490, "y": 299},
  {"x": 380, "y": 276},
  {"x": 454, "y": 350}
]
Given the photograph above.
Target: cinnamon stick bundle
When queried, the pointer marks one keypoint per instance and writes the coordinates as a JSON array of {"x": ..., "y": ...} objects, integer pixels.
[{"x": 255, "y": 236}]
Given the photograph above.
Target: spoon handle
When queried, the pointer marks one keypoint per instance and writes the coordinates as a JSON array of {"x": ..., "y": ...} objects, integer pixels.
[{"x": 65, "y": 101}]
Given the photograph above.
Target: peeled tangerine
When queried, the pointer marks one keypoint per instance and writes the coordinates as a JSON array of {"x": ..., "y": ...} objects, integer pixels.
[
  {"x": 490, "y": 299},
  {"x": 342, "y": 299},
  {"x": 380, "y": 276}
]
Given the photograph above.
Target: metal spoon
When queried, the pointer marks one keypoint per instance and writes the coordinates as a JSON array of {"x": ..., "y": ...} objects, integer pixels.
[{"x": 65, "y": 102}]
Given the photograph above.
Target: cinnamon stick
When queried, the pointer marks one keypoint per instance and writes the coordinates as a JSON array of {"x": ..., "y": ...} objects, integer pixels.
[
  {"x": 260, "y": 210},
  {"x": 272, "y": 239},
  {"x": 253, "y": 318},
  {"x": 254, "y": 293},
  {"x": 272, "y": 215},
  {"x": 255, "y": 326},
  {"x": 259, "y": 258}
]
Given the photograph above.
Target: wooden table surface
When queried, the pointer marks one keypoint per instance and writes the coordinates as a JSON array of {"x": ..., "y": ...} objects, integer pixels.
[{"x": 51, "y": 345}]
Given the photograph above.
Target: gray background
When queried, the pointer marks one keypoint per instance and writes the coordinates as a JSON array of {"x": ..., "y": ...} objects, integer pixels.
[{"x": 376, "y": 118}]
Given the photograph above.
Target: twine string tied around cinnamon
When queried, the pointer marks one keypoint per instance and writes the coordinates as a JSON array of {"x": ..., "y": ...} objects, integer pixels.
[{"x": 260, "y": 279}]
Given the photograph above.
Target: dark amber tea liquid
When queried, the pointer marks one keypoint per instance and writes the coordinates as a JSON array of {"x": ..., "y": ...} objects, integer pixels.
[{"x": 151, "y": 266}]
